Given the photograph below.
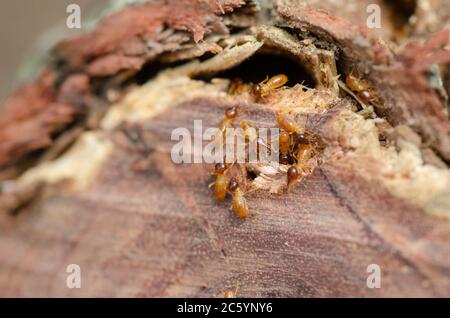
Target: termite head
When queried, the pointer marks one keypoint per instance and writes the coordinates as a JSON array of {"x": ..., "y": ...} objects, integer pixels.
[
  {"x": 256, "y": 90},
  {"x": 233, "y": 185},
  {"x": 365, "y": 96},
  {"x": 284, "y": 159},
  {"x": 231, "y": 113},
  {"x": 300, "y": 138},
  {"x": 292, "y": 175},
  {"x": 220, "y": 168}
]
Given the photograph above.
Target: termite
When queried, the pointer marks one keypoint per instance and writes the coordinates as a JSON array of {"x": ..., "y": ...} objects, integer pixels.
[
  {"x": 284, "y": 146},
  {"x": 249, "y": 131},
  {"x": 221, "y": 183},
  {"x": 288, "y": 123},
  {"x": 270, "y": 84},
  {"x": 300, "y": 139},
  {"x": 240, "y": 206},
  {"x": 237, "y": 87},
  {"x": 230, "y": 115},
  {"x": 361, "y": 88},
  {"x": 302, "y": 156},
  {"x": 231, "y": 294}
]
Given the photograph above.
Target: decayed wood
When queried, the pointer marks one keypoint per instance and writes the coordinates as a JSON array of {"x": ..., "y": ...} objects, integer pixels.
[{"x": 141, "y": 226}]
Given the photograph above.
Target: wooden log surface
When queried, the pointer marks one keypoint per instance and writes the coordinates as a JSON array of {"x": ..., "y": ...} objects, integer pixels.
[
  {"x": 159, "y": 232},
  {"x": 139, "y": 225}
]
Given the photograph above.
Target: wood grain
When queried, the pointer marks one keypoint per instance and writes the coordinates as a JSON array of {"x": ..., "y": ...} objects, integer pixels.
[{"x": 158, "y": 232}]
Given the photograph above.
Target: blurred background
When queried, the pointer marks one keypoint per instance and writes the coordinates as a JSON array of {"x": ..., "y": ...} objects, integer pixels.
[{"x": 28, "y": 28}]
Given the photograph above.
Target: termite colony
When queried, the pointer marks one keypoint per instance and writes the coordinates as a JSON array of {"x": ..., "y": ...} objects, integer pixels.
[
  {"x": 297, "y": 148},
  {"x": 228, "y": 178},
  {"x": 361, "y": 90},
  {"x": 224, "y": 183}
]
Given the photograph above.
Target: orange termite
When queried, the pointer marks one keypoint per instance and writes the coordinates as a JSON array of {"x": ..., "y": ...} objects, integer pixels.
[
  {"x": 231, "y": 294},
  {"x": 360, "y": 87},
  {"x": 230, "y": 115},
  {"x": 249, "y": 131},
  {"x": 240, "y": 206},
  {"x": 284, "y": 146},
  {"x": 238, "y": 86},
  {"x": 288, "y": 123},
  {"x": 270, "y": 84},
  {"x": 303, "y": 155},
  {"x": 221, "y": 183}
]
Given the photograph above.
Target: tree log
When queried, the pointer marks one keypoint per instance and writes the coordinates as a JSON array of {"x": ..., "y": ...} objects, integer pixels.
[{"x": 87, "y": 176}]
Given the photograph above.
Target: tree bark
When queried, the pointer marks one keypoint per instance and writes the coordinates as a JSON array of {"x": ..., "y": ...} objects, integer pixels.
[{"x": 89, "y": 180}]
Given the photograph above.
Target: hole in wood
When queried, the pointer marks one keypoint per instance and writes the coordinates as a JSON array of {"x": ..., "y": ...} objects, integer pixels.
[{"x": 263, "y": 65}]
